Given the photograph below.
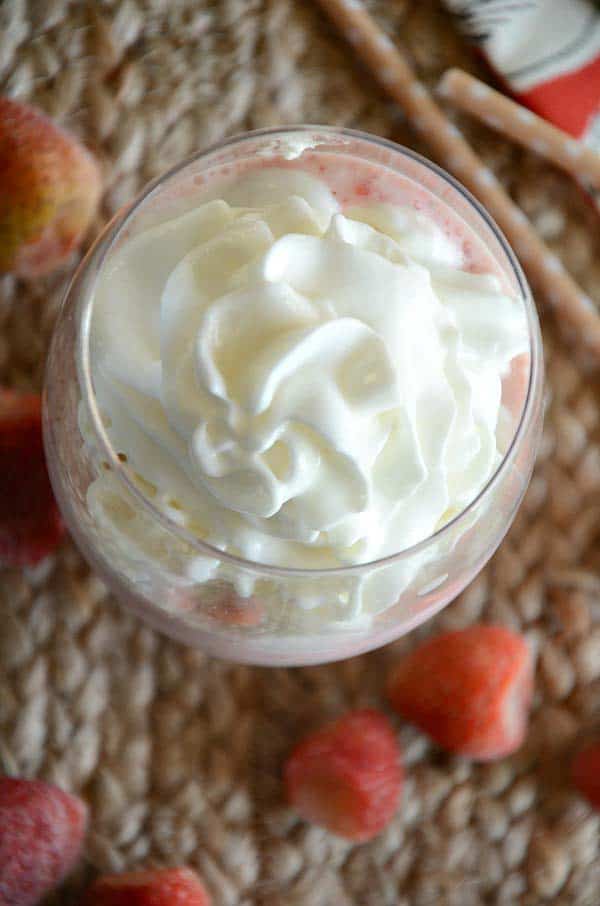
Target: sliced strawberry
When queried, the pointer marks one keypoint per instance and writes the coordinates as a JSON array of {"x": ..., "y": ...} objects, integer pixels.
[
  {"x": 347, "y": 776},
  {"x": 469, "y": 690},
  {"x": 30, "y": 523},
  {"x": 41, "y": 834},
  {"x": 585, "y": 772},
  {"x": 154, "y": 887}
]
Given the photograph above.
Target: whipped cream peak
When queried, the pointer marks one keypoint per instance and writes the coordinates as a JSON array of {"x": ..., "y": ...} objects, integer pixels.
[{"x": 312, "y": 387}]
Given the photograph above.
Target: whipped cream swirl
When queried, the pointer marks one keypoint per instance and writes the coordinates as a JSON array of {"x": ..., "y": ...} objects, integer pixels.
[{"x": 299, "y": 385}]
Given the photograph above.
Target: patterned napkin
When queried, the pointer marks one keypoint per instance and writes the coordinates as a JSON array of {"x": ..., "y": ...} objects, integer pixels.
[{"x": 547, "y": 52}]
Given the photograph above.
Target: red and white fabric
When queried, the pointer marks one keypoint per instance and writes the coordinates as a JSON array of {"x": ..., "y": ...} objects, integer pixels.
[{"x": 547, "y": 53}]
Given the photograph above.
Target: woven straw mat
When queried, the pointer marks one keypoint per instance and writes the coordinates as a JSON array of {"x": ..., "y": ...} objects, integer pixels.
[{"x": 179, "y": 756}]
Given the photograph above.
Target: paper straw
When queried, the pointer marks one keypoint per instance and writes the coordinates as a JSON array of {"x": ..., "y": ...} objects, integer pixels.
[
  {"x": 501, "y": 113},
  {"x": 390, "y": 68}
]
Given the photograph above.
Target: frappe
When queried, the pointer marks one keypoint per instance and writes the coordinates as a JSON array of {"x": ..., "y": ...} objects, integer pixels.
[{"x": 308, "y": 361}]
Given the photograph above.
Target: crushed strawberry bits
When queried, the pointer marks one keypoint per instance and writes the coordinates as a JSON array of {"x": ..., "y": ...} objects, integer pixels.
[{"x": 30, "y": 522}]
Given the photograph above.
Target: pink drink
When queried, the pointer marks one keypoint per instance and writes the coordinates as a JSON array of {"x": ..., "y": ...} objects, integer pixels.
[
  {"x": 354, "y": 182},
  {"x": 286, "y": 611}
]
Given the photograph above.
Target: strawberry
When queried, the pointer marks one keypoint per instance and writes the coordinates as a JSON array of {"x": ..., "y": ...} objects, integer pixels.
[
  {"x": 470, "y": 690},
  {"x": 235, "y": 611},
  {"x": 41, "y": 834},
  {"x": 49, "y": 191},
  {"x": 228, "y": 608},
  {"x": 515, "y": 382},
  {"x": 347, "y": 776},
  {"x": 30, "y": 523},
  {"x": 154, "y": 887},
  {"x": 585, "y": 772}
]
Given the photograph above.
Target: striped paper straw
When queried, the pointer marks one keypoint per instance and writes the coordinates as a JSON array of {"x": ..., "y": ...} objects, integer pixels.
[
  {"x": 391, "y": 69},
  {"x": 499, "y": 112}
]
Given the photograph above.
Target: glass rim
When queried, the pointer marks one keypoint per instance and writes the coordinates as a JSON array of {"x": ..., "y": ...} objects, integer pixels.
[{"x": 106, "y": 240}]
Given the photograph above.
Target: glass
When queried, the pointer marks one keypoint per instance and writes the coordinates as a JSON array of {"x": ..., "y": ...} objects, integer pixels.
[{"x": 231, "y": 607}]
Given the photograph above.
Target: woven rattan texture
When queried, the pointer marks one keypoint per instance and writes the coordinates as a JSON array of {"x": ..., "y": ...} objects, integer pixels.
[{"x": 179, "y": 756}]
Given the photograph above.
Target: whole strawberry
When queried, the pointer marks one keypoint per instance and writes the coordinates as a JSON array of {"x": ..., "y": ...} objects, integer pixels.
[
  {"x": 347, "y": 776},
  {"x": 30, "y": 523},
  {"x": 470, "y": 690},
  {"x": 41, "y": 834},
  {"x": 49, "y": 191},
  {"x": 153, "y": 887}
]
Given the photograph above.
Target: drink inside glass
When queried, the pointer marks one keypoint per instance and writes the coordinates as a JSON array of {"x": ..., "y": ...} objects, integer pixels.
[{"x": 294, "y": 396}]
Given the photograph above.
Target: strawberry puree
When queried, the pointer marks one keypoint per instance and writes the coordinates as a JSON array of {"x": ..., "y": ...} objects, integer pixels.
[{"x": 354, "y": 182}]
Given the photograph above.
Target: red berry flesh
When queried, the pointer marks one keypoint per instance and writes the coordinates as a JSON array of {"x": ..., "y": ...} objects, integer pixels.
[
  {"x": 585, "y": 771},
  {"x": 153, "y": 887},
  {"x": 347, "y": 776},
  {"x": 41, "y": 835},
  {"x": 30, "y": 522},
  {"x": 470, "y": 690}
]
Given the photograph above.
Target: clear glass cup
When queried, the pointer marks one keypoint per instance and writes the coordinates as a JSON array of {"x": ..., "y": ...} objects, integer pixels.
[{"x": 231, "y": 607}]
